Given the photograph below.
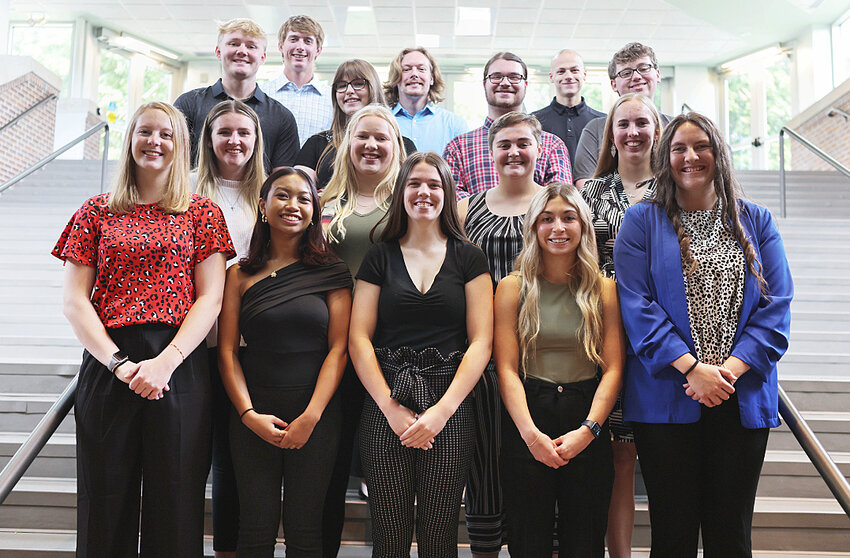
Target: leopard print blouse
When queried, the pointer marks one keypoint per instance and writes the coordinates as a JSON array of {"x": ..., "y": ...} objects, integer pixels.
[{"x": 715, "y": 289}]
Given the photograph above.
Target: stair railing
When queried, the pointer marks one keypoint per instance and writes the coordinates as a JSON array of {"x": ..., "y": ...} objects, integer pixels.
[
  {"x": 27, "y": 111},
  {"x": 811, "y": 147},
  {"x": 837, "y": 111},
  {"x": 91, "y": 131},
  {"x": 23, "y": 458}
]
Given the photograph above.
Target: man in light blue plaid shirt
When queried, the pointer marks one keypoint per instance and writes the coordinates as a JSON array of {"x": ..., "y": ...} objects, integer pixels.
[{"x": 300, "y": 41}]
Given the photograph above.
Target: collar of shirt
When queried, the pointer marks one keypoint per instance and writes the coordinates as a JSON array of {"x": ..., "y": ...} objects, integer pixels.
[
  {"x": 219, "y": 93},
  {"x": 561, "y": 109},
  {"x": 487, "y": 122},
  {"x": 428, "y": 109},
  {"x": 282, "y": 83}
]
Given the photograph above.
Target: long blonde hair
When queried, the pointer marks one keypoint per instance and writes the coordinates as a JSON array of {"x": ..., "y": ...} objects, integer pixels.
[
  {"x": 208, "y": 172},
  {"x": 585, "y": 278},
  {"x": 608, "y": 157},
  {"x": 125, "y": 193},
  {"x": 342, "y": 187}
]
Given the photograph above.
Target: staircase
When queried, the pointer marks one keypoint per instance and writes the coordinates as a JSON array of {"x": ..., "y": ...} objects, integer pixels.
[{"x": 795, "y": 513}]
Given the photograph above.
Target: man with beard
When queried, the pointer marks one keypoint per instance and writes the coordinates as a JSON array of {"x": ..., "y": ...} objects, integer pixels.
[
  {"x": 414, "y": 87},
  {"x": 468, "y": 155}
]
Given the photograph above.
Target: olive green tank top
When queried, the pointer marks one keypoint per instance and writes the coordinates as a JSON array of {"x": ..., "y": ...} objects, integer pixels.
[
  {"x": 559, "y": 355},
  {"x": 352, "y": 249}
]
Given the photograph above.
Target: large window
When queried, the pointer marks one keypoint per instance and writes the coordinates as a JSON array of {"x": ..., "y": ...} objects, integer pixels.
[
  {"x": 49, "y": 45},
  {"x": 841, "y": 49},
  {"x": 113, "y": 96}
]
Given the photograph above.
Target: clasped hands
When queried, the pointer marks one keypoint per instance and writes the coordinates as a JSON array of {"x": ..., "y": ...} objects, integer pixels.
[
  {"x": 710, "y": 385},
  {"x": 558, "y": 452},
  {"x": 416, "y": 430}
]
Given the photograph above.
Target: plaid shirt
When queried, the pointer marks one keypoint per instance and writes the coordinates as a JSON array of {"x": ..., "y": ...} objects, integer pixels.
[
  {"x": 472, "y": 165},
  {"x": 312, "y": 105}
]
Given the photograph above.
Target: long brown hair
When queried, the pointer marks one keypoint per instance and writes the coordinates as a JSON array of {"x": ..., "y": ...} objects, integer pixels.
[
  {"x": 313, "y": 248},
  {"x": 608, "y": 158},
  {"x": 396, "y": 217},
  {"x": 725, "y": 187}
]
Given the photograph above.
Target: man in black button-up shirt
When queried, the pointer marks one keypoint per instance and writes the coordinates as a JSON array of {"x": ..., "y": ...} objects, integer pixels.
[
  {"x": 242, "y": 50},
  {"x": 567, "y": 114}
]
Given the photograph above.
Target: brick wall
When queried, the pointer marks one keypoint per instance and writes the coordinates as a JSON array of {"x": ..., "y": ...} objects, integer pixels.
[
  {"x": 31, "y": 138},
  {"x": 92, "y": 143},
  {"x": 832, "y": 134}
]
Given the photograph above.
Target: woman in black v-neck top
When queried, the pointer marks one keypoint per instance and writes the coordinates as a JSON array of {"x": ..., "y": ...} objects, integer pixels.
[{"x": 419, "y": 347}]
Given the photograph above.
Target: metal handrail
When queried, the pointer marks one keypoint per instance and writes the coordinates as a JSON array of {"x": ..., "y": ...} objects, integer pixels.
[
  {"x": 835, "y": 110},
  {"x": 27, "y": 111},
  {"x": 813, "y": 148},
  {"x": 686, "y": 106},
  {"x": 23, "y": 458},
  {"x": 816, "y": 452},
  {"x": 93, "y": 130}
]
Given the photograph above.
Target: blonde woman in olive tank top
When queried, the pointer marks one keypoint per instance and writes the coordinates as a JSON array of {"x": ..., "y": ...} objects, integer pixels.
[{"x": 557, "y": 321}]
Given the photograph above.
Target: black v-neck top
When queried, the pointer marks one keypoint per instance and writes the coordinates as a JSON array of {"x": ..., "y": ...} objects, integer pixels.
[{"x": 409, "y": 318}]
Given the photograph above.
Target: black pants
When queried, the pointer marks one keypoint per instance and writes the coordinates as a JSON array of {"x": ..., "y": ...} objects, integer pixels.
[
  {"x": 225, "y": 499},
  {"x": 702, "y": 475},
  {"x": 581, "y": 489},
  {"x": 123, "y": 440},
  {"x": 350, "y": 395},
  {"x": 260, "y": 467}
]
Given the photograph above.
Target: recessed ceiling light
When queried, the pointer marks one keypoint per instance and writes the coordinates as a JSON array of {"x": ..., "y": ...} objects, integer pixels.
[{"x": 472, "y": 21}]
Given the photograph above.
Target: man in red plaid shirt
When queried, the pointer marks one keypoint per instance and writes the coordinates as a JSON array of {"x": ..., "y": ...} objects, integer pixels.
[{"x": 468, "y": 155}]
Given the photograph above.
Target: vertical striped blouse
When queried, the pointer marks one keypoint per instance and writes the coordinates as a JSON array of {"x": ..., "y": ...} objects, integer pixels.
[{"x": 499, "y": 236}]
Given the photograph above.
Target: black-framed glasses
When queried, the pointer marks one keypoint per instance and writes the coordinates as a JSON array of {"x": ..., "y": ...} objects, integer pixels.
[
  {"x": 642, "y": 69},
  {"x": 356, "y": 84},
  {"x": 496, "y": 79}
]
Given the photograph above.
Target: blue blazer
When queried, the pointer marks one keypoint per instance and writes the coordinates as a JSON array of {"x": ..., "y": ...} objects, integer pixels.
[{"x": 648, "y": 263}]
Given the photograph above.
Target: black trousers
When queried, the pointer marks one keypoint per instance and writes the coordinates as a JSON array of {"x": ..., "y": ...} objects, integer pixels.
[
  {"x": 123, "y": 440},
  {"x": 350, "y": 395},
  {"x": 305, "y": 473},
  {"x": 581, "y": 489},
  {"x": 225, "y": 499},
  {"x": 702, "y": 475}
]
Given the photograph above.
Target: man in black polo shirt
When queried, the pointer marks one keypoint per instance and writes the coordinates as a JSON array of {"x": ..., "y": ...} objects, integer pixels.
[
  {"x": 242, "y": 49},
  {"x": 567, "y": 114}
]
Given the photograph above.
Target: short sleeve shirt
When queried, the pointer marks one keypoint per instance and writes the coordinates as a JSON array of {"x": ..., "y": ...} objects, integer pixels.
[
  {"x": 409, "y": 318},
  {"x": 144, "y": 260}
]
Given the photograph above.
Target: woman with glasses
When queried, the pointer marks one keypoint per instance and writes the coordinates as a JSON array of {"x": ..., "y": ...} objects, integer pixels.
[
  {"x": 356, "y": 84},
  {"x": 623, "y": 178}
]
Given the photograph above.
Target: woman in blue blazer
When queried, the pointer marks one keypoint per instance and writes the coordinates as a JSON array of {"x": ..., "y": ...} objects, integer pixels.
[{"x": 705, "y": 292}]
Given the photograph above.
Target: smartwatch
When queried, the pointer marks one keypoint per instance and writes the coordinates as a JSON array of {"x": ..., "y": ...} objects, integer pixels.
[
  {"x": 594, "y": 427},
  {"x": 117, "y": 360}
]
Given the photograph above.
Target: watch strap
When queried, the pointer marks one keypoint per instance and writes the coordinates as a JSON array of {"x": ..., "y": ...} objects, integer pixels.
[
  {"x": 118, "y": 358},
  {"x": 593, "y": 426}
]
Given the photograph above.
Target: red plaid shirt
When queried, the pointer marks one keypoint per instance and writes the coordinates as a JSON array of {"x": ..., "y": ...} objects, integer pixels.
[{"x": 472, "y": 165}]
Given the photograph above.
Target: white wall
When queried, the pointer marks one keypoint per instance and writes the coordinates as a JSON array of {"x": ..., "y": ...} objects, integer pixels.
[
  {"x": 812, "y": 73},
  {"x": 698, "y": 87}
]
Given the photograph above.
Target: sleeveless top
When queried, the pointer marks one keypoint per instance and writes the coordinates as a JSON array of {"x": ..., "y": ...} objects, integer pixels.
[
  {"x": 559, "y": 355},
  {"x": 352, "y": 249},
  {"x": 498, "y": 236}
]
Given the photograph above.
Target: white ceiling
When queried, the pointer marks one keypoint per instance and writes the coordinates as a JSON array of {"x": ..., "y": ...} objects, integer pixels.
[{"x": 680, "y": 31}]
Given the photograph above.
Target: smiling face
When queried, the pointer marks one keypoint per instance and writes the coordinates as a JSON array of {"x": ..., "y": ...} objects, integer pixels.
[
  {"x": 558, "y": 227},
  {"x": 233, "y": 138},
  {"x": 299, "y": 51},
  {"x": 416, "y": 76},
  {"x": 515, "y": 151},
  {"x": 505, "y": 95},
  {"x": 634, "y": 131},
  {"x": 637, "y": 83},
  {"x": 241, "y": 55},
  {"x": 351, "y": 100},
  {"x": 568, "y": 74},
  {"x": 692, "y": 162},
  {"x": 371, "y": 146},
  {"x": 152, "y": 144},
  {"x": 423, "y": 193},
  {"x": 289, "y": 205}
]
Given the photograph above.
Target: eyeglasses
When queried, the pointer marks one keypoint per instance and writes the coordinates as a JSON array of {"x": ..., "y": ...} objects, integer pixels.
[
  {"x": 356, "y": 84},
  {"x": 642, "y": 69},
  {"x": 496, "y": 79}
]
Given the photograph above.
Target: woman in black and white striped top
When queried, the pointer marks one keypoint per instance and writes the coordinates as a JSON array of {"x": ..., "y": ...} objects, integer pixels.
[
  {"x": 493, "y": 221},
  {"x": 623, "y": 177}
]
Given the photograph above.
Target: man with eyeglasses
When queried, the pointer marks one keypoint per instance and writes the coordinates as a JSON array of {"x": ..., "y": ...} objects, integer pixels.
[
  {"x": 567, "y": 114},
  {"x": 414, "y": 87},
  {"x": 633, "y": 69},
  {"x": 468, "y": 155},
  {"x": 242, "y": 50},
  {"x": 299, "y": 41}
]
